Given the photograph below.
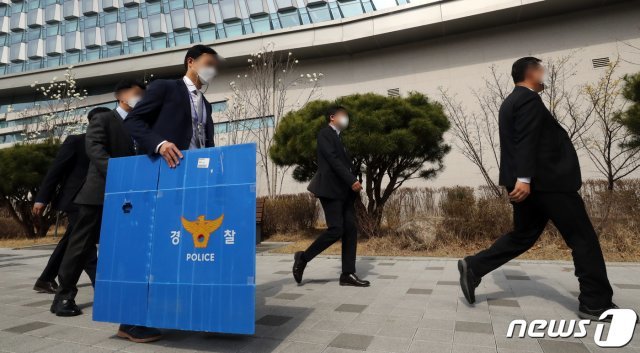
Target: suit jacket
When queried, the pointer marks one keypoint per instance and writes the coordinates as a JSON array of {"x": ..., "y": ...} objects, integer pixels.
[
  {"x": 533, "y": 144},
  {"x": 164, "y": 113},
  {"x": 66, "y": 175},
  {"x": 335, "y": 175},
  {"x": 106, "y": 138}
]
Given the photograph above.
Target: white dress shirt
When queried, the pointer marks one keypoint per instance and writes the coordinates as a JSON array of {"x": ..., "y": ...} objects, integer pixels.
[{"x": 123, "y": 113}]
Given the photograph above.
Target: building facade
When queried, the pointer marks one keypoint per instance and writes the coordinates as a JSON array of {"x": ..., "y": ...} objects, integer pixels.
[{"x": 382, "y": 46}]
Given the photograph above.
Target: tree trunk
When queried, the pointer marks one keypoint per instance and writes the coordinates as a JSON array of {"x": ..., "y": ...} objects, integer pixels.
[
  {"x": 27, "y": 227},
  {"x": 369, "y": 218}
]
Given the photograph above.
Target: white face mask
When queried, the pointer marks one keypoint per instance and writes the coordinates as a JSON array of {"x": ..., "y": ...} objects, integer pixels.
[
  {"x": 131, "y": 102},
  {"x": 343, "y": 122},
  {"x": 206, "y": 74}
]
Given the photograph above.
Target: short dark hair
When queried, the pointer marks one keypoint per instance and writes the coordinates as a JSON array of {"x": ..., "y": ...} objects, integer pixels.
[
  {"x": 333, "y": 110},
  {"x": 95, "y": 111},
  {"x": 195, "y": 51},
  {"x": 128, "y": 83},
  {"x": 520, "y": 67}
]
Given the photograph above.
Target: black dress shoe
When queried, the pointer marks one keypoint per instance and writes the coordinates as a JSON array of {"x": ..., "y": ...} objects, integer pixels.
[
  {"x": 65, "y": 307},
  {"x": 350, "y": 279},
  {"x": 45, "y": 287},
  {"x": 298, "y": 266},
  {"x": 468, "y": 281},
  {"x": 594, "y": 314},
  {"x": 139, "y": 334}
]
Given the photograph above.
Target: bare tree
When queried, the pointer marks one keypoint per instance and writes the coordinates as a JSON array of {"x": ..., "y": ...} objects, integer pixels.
[
  {"x": 470, "y": 138},
  {"x": 607, "y": 145},
  {"x": 271, "y": 87},
  {"x": 59, "y": 114},
  {"x": 565, "y": 100},
  {"x": 239, "y": 120},
  {"x": 477, "y": 132},
  {"x": 497, "y": 87}
]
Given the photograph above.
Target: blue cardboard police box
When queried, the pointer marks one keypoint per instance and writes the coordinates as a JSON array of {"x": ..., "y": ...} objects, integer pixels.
[{"x": 177, "y": 246}]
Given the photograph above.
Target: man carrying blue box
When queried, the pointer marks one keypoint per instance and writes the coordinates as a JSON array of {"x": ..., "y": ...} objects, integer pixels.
[
  {"x": 156, "y": 131},
  {"x": 174, "y": 115}
]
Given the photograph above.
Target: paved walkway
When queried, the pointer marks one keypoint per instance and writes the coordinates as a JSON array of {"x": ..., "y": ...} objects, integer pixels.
[{"x": 414, "y": 305}]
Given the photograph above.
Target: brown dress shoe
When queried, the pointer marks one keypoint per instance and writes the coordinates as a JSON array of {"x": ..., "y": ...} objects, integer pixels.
[{"x": 139, "y": 334}]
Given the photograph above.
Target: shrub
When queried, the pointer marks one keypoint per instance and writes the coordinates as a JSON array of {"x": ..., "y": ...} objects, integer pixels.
[
  {"x": 289, "y": 213},
  {"x": 457, "y": 205}
]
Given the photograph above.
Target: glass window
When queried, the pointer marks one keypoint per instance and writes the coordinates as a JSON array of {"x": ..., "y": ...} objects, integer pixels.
[
  {"x": 3, "y": 40},
  {"x": 319, "y": 13},
  {"x": 34, "y": 64},
  {"x": 33, "y": 4},
  {"x": 289, "y": 18},
  {"x": 10, "y": 138},
  {"x": 260, "y": 23},
  {"x": 71, "y": 25},
  {"x": 176, "y": 4},
  {"x": 50, "y": 2},
  {"x": 135, "y": 46},
  {"x": 180, "y": 20},
  {"x": 16, "y": 37},
  {"x": 53, "y": 61},
  {"x": 350, "y": 7},
  {"x": 70, "y": 9},
  {"x": 218, "y": 107},
  {"x": 275, "y": 23},
  {"x": 72, "y": 58},
  {"x": 200, "y": 2},
  {"x": 233, "y": 28},
  {"x": 52, "y": 29},
  {"x": 159, "y": 42},
  {"x": 157, "y": 24},
  {"x": 17, "y": 7},
  {"x": 114, "y": 50},
  {"x": 154, "y": 8},
  {"x": 132, "y": 12},
  {"x": 33, "y": 33},
  {"x": 135, "y": 29},
  {"x": 368, "y": 6},
  {"x": 92, "y": 54},
  {"x": 89, "y": 6},
  {"x": 90, "y": 21},
  {"x": 207, "y": 34},
  {"x": 182, "y": 38},
  {"x": 110, "y": 17},
  {"x": 220, "y": 128},
  {"x": 3, "y": 10}
]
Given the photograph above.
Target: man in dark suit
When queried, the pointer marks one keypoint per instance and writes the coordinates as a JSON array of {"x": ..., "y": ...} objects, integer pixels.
[
  {"x": 60, "y": 186},
  {"x": 106, "y": 138},
  {"x": 337, "y": 187},
  {"x": 540, "y": 169},
  {"x": 174, "y": 115}
]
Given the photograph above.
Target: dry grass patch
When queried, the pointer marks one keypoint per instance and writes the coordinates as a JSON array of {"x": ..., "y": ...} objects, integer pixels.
[
  {"x": 24, "y": 242},
  {"x": 548, "y": 247}
]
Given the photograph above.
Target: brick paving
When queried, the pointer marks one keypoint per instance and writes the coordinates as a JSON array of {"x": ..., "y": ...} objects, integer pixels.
[{"x": 413, "y": 305}]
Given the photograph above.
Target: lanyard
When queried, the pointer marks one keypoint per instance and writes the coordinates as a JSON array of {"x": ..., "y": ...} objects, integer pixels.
[
  {"x": 198, "y": 120},
  {"x": 198, "y": 123}
]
